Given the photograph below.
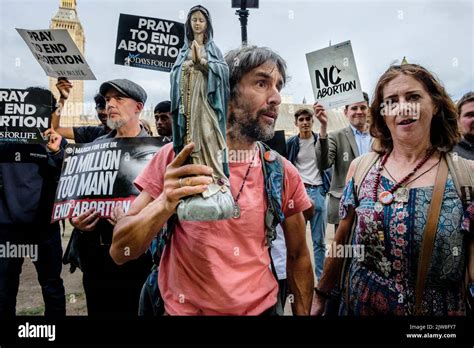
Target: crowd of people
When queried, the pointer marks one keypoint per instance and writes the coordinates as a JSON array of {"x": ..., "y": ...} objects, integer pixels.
[{"x": 397, "y": 182}]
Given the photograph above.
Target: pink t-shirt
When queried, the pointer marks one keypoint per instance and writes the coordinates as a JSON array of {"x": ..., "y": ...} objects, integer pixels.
[{"x": 222, "y": 267}]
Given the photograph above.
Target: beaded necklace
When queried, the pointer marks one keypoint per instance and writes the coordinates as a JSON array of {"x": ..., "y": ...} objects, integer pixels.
[
  {"x": 386, "y": 197},
  {"x": 401, "y": 193},
  {"x": 236, "y": 208},
  {"x": 414, "y": 179}
]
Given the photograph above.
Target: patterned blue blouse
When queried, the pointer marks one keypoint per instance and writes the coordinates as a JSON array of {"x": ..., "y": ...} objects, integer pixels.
[{"x": 382, "y": 282}]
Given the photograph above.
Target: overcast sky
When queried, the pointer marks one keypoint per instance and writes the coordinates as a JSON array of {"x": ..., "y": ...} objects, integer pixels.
[{"x": 436, "y": 34}]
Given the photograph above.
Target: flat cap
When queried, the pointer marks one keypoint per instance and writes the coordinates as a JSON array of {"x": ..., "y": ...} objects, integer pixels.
[{"x": 126, "y": 87}]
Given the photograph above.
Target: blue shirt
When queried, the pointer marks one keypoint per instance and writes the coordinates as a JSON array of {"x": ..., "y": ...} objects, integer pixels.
[{"x": 363, "y": 140}]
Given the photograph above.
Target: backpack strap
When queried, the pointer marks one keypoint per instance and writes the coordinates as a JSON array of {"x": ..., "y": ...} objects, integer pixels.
[
  {"x": 463, "y": 177},
  {"x": 429, "y": 235},
  {"x": 162, "y": 239},
  {"x": 363, "y": 164},
  {"x": 274, "y": 179}
]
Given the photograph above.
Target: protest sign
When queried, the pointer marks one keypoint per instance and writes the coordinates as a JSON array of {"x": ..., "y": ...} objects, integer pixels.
[
  {"x": 57, "y": 54},
  {"x": 334, "y": 76},
  {"x": 148, "y": 43},
  {"x": 100, "y": 174},
  {"x": 24, "y": 116}
]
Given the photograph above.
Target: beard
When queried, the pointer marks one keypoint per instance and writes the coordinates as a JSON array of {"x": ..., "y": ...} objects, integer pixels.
[
  {"x": 251, "y": 125},
  {"x": 103, "y": 120},
  {"x": 115, "y": 124}
]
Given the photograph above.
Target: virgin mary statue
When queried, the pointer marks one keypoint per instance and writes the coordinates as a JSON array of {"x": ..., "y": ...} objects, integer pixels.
[{"x": 199, "y": 97}]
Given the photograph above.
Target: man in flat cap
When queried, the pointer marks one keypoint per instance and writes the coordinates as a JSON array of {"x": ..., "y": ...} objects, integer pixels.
[
  {"x": 124, "y": 104},
  {"x": 112, "y": 290}
]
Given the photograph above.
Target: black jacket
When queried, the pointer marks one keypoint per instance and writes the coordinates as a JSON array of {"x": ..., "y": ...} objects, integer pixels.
[{"x": 28, "y": 180}]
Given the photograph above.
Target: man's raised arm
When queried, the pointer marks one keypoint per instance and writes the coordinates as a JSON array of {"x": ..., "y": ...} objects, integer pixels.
[{"x": 64, "y": 87}]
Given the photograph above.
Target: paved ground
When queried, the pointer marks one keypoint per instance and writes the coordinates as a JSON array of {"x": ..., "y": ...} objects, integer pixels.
[{"x": 30, "y": 300}]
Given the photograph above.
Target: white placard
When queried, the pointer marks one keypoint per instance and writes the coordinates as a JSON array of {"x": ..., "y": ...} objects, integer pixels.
[
  {"x": 57, "y": 54},
  {"x": 334, "y": 77}
]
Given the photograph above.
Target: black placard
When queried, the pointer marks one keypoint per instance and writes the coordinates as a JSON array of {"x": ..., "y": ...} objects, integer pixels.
[
  {"x": 100, "y": 174},
  {"x": 148, "y": 43},
  {"x": 24, "y": 116}
]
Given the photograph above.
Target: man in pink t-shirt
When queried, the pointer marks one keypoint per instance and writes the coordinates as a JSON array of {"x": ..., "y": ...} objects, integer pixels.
[{"x": 223, "y": 267}]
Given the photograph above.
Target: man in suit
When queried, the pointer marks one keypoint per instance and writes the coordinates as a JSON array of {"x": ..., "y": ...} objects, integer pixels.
[{"x": 340, "y": 147}]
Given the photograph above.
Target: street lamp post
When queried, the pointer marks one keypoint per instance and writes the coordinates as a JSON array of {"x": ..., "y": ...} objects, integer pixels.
[{"x": 243, "y": 14}]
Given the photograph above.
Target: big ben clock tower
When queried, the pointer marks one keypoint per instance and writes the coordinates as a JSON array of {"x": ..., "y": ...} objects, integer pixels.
[{"x": 66, "y": 18}]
